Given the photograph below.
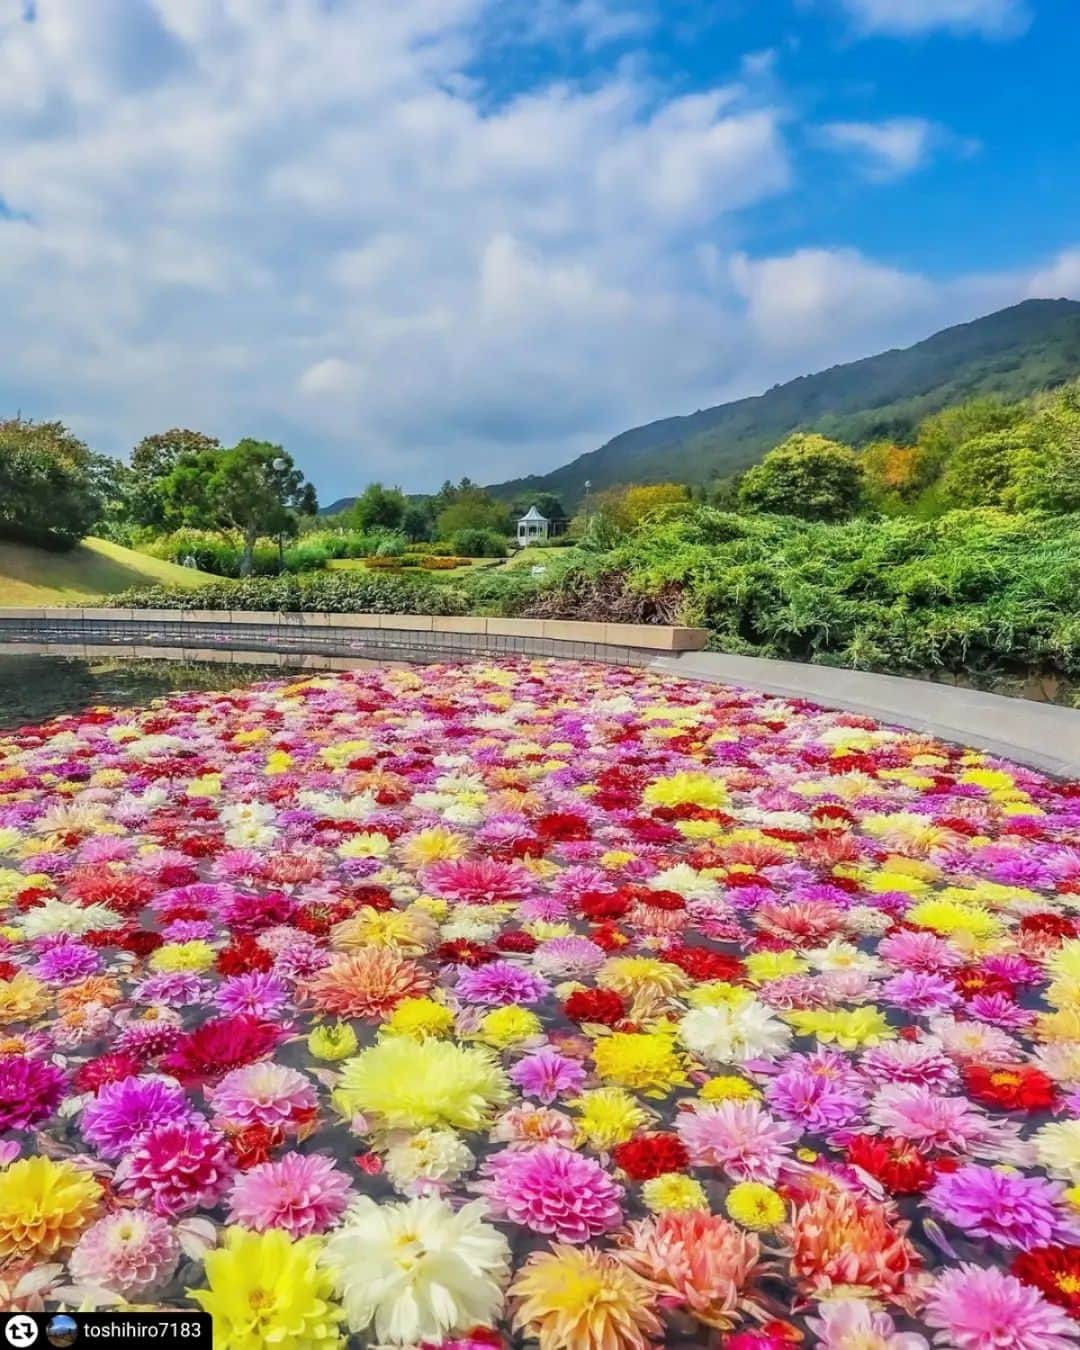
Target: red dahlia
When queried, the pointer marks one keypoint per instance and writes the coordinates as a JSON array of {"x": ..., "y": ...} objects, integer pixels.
[
  {"x": 651, "y": 1155},
  {"x": 599, "y": 905},
  {"x": 211, "y": 1050},
  {"x": 243, "y": 954},
  {"x": 896, "y": 1163},
  {"x": 1011, "y": 1087},
  {"x": 460, "y": 952},
  {"x": 111, "y": 1068},
  {"x": 1053, "y": 1270},
  {"x": 516, "y": 940},
  {"x": 602, "y": 1006},
  {"x": 702, "y": 964}
]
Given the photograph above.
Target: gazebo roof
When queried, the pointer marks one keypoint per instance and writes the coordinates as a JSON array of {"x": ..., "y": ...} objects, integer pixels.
[{"x": 534, "y": 514}]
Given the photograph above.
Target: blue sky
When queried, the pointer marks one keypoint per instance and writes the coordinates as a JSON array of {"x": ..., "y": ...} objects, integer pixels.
[{"x": 421, "y": 238}]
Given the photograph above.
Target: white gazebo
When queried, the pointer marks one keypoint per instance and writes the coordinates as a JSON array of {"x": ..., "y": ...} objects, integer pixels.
[{"x": 533, "y": 526}]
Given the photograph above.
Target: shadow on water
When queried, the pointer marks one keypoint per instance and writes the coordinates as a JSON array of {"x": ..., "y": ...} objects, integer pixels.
[{"x": 36, "y": 688}]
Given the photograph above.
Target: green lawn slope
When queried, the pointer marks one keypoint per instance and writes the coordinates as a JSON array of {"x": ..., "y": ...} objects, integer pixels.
[{"x": 36, "y": 576}]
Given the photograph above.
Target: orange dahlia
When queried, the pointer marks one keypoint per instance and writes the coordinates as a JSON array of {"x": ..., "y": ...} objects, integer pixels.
[
  {"x": 851, "y": 1243},
  {"x": 581, "y": 1297},
  {"x": 370, "y": 983}
]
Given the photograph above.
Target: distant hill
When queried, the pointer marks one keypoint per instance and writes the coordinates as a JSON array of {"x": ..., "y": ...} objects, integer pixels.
[
  {"x": 96, "y": 567},
  {"x": 1011, "y": 354}
]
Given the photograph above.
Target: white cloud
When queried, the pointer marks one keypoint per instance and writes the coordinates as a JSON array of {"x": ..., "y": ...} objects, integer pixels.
[
  {"x": 314, "y": 220},
  {"x": 910, "y": 18},
  {"x": 889, "y": 149},
  {"x": 1060, "y": 279}
]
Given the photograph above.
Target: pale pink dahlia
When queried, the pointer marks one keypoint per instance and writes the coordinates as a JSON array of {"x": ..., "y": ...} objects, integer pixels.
[
  {"x": 178, "y": 1168},
  {"x": 740, "y": 1138},
  {"x": 265, "y": 1093},
  {"x": 553, "y": 1190},
  {"x": 127, "y": 1253},
  {"x": 301, "y": 1193},
  {"x": 982, "y": 1308}
]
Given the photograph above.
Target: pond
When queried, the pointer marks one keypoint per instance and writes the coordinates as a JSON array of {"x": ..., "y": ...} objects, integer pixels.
[{"x": 35, "y": 688}]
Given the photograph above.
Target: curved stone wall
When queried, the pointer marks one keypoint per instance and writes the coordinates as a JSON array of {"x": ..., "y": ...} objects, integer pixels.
[{"x": 1038, "y": 734}]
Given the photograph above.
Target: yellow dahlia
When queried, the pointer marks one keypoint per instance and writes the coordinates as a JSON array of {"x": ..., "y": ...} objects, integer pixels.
[
  {"x": 431, "y": 846},
  {"x": 503, "y": 1027},
  {"x": 755, "y": 1205},
  {"x": 646, "y": 1062},
  {"x": 406, "y": 1084},
  {"x": 673, "y": 1191},
  {"x": 627, "y": 975},
  {"x": 23, "y": 999},
  {"x": 581, "y": 1297},
  {"x": 606, "y": 1117},
  {"x": 419, "y": 1017},
  {"x": 266, "y": 1289},
  {"x": 333, "y": 1041},
  {"x": 687, "y": 789},
  {"x": 44, "y": 1206},
  {"x": 196, "y": 955},
  {"x": 412, "y": 930}
]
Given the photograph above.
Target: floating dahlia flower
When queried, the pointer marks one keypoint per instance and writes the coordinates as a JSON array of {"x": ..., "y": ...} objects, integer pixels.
[
  {"x": 417, "y": 1270},
  {"x": 174, "y": 988},
  {"x": 301, "y": 1193},
  {"x": 499, "y": 983},
  {"x": 981, "y": 1308},
  {"x": 818, "y": 1102},
  {"x": 729, "y": 1033},
  {"x": 122, "y": 1112},
  {"x": 844, "y": 1241},
  {"x": 849, "y": 1323},
  {"x": 426, "y": 1161},
  {"x": 128, "y": 1253},
  {"x": 479, "y": 881},
  {"x": 266, "y": 1093},
  {"x": 369, "y": 983},
  {"x": 581, "y": 1297},
  {"x": 67, "y": 962},
  {"x": 44, "y": 1206},
  {"x": 178, "y": 1168},
  {"x": 927, "y": 1118},
  {"x": 552, "y": 1190},
  {"x": 740, "y": 1138},
  {"x": 257, "y": 993},
  {"x": 547, "y": 1075},
  {"x": 698, "y": 1262},
  {"x": 30, "y": 1091},
  {"x": 265, "y": 1289},
  {"x": 224, "y": 1043},
  {"x": 1009, "y": 1208},
  {"x": 406, "y": 1084}
]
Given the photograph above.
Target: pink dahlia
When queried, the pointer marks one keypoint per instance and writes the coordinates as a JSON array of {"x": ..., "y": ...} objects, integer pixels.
[
  {"x": 922, "y": 1062},
  {"x": 178, "y": 1168},
  {"x": 127, "y": 1253},
  {"x": 478, "y": 881},
  {"x": 302, "y": 1194},
  {"x": 740, "y": 1138},
  {"x": 499, "y": 983},
  {"x": 1007, "y": 1207},
  {"x": 266, "y": 1093},
  {"x": 30, "y": 1091},
  {"x": 982, "y": 1308},
  {"x": 122, "y": 1112},
  {"x": 546, "y": 1075},
  {"x": 260, "y": 994},
  {"x": 923, "y": 1116},
  {"x": 554, "y": 1191}
]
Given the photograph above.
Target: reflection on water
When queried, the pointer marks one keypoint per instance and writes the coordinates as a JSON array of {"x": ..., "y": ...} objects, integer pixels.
[{"x": 35, "y": 688}]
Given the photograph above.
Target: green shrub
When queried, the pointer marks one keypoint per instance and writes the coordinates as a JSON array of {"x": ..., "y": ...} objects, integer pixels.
[
  {"x": 327, "y": 592},
  {"x": 478, "y": 544}
]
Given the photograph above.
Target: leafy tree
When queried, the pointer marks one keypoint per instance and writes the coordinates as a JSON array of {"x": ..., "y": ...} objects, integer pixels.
[
  {"x": 417, "y": 521},
  {"x": 47, "y": 487},
  {"x": 472, "y": 509},
  {"x": 254, "y": 488},
  {"x": 941, "y": 435},
  {"x": 1046, "y": 475},
  {"x": 378, "y": 507},
  {"x": 980, "y": 472},
  {"x": 545, "y": 502},
  {"x": 152, "y": 461},
  {"x": 806, "y": 476}
]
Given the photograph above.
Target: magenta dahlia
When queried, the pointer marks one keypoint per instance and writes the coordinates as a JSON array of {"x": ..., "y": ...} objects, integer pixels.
[
  {"x": 122, "y": 1112},
  {"x": 553, "y": 1190},
  {"x": 30, "y": 1091},
  {"x": 177, "y": 1168}
]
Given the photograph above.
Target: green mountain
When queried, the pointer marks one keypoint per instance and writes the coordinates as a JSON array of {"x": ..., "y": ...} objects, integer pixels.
[{"x": 1010, "y": 354}]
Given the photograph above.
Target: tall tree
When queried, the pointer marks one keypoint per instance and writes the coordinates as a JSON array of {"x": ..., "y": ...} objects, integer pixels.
[
  {"x": 806, "y": 476},
  {"x": 47, "y": 489},
  {"x": 255, "y": 489},
  {"x": 152, "y": 461},
  {"x": 378, "y": 507}
]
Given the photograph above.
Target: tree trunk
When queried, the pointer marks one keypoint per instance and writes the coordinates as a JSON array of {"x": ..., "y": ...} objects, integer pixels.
[{"x": 249, "y": 553}]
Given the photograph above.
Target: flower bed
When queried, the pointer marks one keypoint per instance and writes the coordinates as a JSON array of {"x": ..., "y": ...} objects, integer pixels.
[{"x": 538, "y": 1003}]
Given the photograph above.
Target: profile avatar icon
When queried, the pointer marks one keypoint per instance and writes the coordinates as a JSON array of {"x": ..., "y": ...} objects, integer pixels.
[{"x": 62, "y": 1330}]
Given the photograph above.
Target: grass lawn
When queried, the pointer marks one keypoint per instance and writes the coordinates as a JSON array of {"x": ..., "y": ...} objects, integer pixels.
[
  {"x": 449, "y": 573},
  {"x": 554, "y": 559},
  {"x": 36, "y": 576}
]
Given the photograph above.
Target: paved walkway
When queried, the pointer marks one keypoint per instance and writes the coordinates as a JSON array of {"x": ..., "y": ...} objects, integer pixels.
[{"x": 1038, "y": 734}]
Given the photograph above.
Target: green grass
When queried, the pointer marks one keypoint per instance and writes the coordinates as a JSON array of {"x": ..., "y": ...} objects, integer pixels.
[
  {"x": 360, "y": 565},
  {"x": 544, "y": 557},
  {"x": 94, "y": 568}
]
